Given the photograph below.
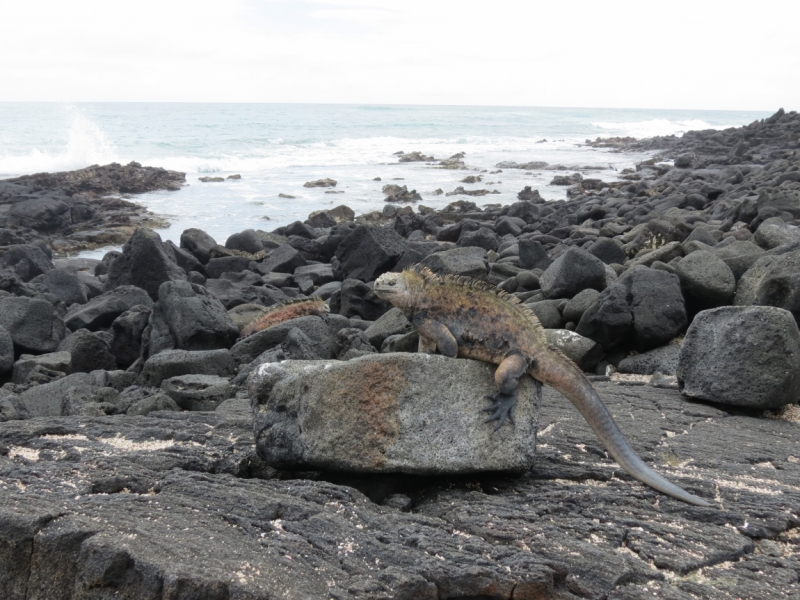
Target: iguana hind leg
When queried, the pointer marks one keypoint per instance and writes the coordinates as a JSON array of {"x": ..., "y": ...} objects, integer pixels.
[{"x": 506, "y": 377}]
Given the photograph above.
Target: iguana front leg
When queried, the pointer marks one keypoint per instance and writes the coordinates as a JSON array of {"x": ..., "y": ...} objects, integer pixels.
[
  {"x": 506, "y": 377},
  {"x": 432, "y": 334}
]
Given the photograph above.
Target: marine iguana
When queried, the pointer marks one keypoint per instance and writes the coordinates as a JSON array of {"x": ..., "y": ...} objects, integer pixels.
[
  {"x": 284, "y": 312},
  {"x": 460, "y": 316}
]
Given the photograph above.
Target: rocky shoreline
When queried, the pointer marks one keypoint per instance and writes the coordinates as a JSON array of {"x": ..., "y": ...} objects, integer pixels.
[
  {"x": 80, "y": 210},
  {"x": 320, "y": 457}
]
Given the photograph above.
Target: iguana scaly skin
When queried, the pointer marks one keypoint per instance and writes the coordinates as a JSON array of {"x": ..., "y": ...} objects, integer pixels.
[
  {"x": 463, "y": 317},
  {"x": 285, "y": 312}
]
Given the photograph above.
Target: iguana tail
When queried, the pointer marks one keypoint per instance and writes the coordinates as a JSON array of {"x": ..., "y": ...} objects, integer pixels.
[{"x": 563, "y": 375}]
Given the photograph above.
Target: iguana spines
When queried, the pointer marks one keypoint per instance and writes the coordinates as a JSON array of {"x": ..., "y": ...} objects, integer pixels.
[
  {"x": 279, "y": 313},
  {"x": 418, "y": 278},
  {"x": 461, "y": 317}
]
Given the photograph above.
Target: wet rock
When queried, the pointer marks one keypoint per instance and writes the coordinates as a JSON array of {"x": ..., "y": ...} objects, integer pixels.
[
  {"x": 143, "y": 263},
  {"x": 198, "y": 392},
  {"x": 188, "y": 317},
  {"x": 33, "y": 324},
  {"x": 399, "y": 194},
  {"x": 392, "y": 413},
  {"x": 368, "y": 252},
  {"x": 415, "y": 156},
  {"x": 572, "y": 272},
  {"x": 90, "y": 352},
  {"x": 171, "y": 363},
  {"x": 320, "y": 183},
  {"x": 742, "y": 356},
  {"x": 102, "y": 310}
]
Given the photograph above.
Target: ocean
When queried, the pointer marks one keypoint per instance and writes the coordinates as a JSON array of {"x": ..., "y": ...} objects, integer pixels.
[{"x": 276, "y": 148}]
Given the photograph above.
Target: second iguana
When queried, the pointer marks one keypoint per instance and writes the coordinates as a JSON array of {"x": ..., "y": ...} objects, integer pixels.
[{"x": 463, "y": 317}]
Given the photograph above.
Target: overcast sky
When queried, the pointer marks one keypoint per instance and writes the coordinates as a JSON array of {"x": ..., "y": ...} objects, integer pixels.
[{"x": 676, "y": 54}]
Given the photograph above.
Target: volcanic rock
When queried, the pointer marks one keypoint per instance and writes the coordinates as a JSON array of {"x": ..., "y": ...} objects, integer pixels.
[
  {"x": 387, "y": 413},
  {"x": 742, "y": 356}
]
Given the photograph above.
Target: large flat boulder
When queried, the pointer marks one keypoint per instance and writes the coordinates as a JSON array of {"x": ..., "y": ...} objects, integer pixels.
[{"x": 387, "y": 413}]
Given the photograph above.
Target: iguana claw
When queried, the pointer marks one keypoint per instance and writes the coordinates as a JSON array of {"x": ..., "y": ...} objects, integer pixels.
[{"x": 502, "y": 409}]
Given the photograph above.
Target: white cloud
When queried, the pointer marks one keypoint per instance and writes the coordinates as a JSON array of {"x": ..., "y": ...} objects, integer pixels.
[{"x": 621, "y": 53}]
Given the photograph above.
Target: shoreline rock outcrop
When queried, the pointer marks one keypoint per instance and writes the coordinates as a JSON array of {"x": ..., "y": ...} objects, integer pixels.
[
  {"x": 128, "y": 429},
  {"x": 80, "y": 210}
]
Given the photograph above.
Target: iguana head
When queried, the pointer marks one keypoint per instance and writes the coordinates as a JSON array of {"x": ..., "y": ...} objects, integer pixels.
[{"x": 394, "y": 288}]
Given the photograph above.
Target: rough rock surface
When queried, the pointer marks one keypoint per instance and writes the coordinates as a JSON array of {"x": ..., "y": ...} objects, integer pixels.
[
  {"x": 387, "y": 413},
  {"x": 80, "y": 210},
  {"x": 96, "y": 506},
  {"x": 572, "y": 272},
  {"x": 188, "y": 317},
  {"x": 742, "y": 356},
  {"x": 368, "y": 252},
  {"x": 144, "y": 263},
  {"x": 171, "y": 363},
  {"x": 33, "y": 324},
  {"x": 102, "y": 310}
]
